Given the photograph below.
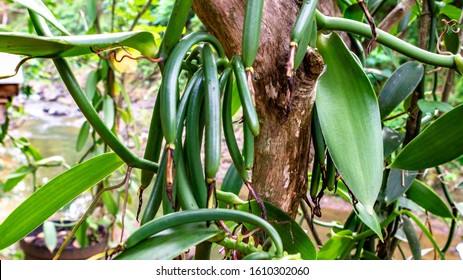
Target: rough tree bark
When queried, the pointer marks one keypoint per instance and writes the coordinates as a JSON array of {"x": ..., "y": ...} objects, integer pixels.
[{"x": 282, "y": 148}]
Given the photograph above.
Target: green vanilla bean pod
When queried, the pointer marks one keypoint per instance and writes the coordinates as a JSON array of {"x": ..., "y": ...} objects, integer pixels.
[
  {"x": 169, "y": 93},
  {"x": 308, "y": 39},
  {"x": 192, "y": 85},
  {"x": 245, "y": 96},
  {"x": 155, "y": 199},
  {"x": 331, "y": 177},
  {"x": 193, "y": 146},
  {"x": 300, "y": 38},
  {"x": 213, "y": 130},
  {"x": 152, "y": 150},
  {"x": 229, "y": 133},
  {"x": 175, "y": 26},
  {"x": 248, "y": 147},
  {"x": 202, "y": 215},
  {"x": 316, "y": 175},
  {"x": 317, "y": 138},
  {"x": 251, "y": 31}
]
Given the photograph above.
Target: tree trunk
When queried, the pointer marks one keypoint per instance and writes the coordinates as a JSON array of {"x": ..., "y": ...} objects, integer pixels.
[{"x": 282, "y": 148}]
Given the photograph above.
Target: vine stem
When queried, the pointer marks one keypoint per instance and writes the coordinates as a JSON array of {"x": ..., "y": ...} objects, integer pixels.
[{"x": 384, "y": 38}]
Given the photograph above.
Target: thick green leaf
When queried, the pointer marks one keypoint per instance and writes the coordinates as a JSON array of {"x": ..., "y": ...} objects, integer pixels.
[
  {"x": 439, "y": 143},
  {"x": 425, "y": 197},
  {"x": 54, "y": 195},
  {"x": 65, "y": 46},
  {"x": 50, "y": 235},
  {"x": 398, "y": 182},
  {"x": 370, "y": 220},
  {"x": 391, "y": 140},
  {"x": 350, "y": 120},
  {"x": 39, "y": 7},
  {"x": 294, "y": 238},
  {"x": 399, "y": 86},
  {"x": 429, "y": 107},
  {"x": 337, "y": 247},
  {"x": 169, "y": 243}
]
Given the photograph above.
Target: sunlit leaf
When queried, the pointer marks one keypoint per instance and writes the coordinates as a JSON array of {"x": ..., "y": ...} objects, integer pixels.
[
  {"x": 55, "y": 194},
  {"x": 350, "y": 120},
  {"x": 125, "y": 64}
]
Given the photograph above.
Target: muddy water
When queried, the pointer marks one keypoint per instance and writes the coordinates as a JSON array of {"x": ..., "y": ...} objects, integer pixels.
[{"x": 53, "y": 135}]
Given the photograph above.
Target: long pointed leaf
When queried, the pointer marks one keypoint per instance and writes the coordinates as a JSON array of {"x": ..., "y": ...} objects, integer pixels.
[
  {"x": 439, "y": 143},
  {"x": 169, "y": 244},
  {"x": 54, "y": 195},
  {"x": 425, "y": 197},
  {"x": 350, "y": 120},
  {"x": 65, "y": 46}
]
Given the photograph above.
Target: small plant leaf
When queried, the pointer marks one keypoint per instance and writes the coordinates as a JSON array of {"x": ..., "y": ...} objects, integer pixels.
[
  {"x": 425, "y": 197},
  {"x": 429, "y": 107},
  {"x": 83, "y": 136},
  {"x": 169, "y": 243},
  {"x": 17, "y": 176},
  {"x": 55, "y": 194},
  {"x": 439, "y": 143},
  {"x": 51, "y": 236},
  {"x": 399, "y": 86},
  {"x": 350, "y": 120},
  {"x": 66, "y": 46}
]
